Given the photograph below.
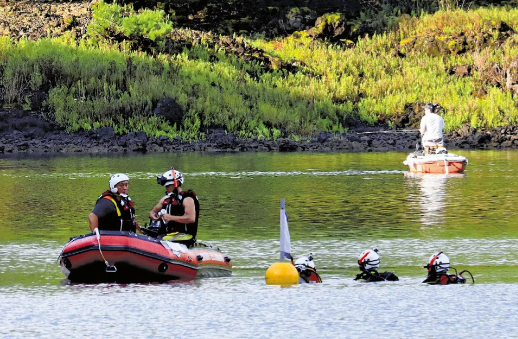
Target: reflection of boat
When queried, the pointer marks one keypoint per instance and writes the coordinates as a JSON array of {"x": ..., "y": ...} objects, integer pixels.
[
  {"x": 436, "y": 163},
  {"x": 129, "y": 257},
  {"x": 428, "y": 176},
  {"x": 433, "y": 195}
]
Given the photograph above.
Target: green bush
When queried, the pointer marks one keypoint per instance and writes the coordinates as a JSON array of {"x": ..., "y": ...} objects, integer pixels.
[
  {"x": 113, "y": 23},
  {"x": 94, "y": 85}
]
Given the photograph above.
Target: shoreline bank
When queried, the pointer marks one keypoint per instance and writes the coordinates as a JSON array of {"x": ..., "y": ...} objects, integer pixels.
[{"x": 25, "y": 132}]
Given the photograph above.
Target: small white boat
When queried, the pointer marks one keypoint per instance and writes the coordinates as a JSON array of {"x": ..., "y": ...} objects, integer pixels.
[{"x": 446, "y": 163}]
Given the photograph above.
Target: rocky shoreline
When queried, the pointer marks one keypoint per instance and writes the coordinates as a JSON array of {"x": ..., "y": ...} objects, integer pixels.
[{"x": 25, "y": 132}]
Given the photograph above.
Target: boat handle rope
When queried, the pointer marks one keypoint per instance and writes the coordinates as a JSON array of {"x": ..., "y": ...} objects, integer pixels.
[
  {"x": 109, "y": 268},
  {"x": 59, "y": 257}
]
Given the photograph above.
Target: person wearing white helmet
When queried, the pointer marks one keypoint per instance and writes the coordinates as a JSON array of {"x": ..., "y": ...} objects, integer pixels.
[
  {"x": 368, "y": 263},
  {"x": 178, "y": 211},
  {"x": 307, "y": 270},
  {"x": 114, "y": 210},
  {"x": 431, "y": 128},
  {"x": 438, "y": 266}
]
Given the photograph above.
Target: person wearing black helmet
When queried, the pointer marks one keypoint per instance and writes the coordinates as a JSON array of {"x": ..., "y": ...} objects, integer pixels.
[
  {"x": 114, "y": 210},
  {"x": 178, "y": 211},
  {"x": 431, "y": 128}
]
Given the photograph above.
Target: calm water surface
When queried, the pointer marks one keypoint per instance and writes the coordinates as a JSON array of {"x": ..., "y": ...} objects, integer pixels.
[{"x": 338, "y": 205}]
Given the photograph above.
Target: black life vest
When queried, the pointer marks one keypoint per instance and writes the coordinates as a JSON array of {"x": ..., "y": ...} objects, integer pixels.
[
  {"x": 173, "y": 205},
  {"x": 122, "y": 218},
  {"x": 373, "y": 275}
]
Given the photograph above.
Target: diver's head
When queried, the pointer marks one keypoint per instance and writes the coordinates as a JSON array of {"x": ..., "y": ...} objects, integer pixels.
[
  {"x": 439, "y": 263},
  {"x": 369, "y": 259},
  {"x": 304, "y": 263},
  {"x": 170, "y": 179}
]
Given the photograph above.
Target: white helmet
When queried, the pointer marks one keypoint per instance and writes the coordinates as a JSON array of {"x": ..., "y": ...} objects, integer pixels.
[
  {"x": 440, "y": 262},
  {"x": 303, "y": 263},
  {"x": 115, "y": 179},
  {"x": 169, "y": 177},
  {"x": 369, "y": 259}
]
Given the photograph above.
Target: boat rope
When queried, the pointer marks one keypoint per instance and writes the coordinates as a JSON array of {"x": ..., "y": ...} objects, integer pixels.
[
  {"x": 109, "y": 268},
  {"x": 445, "y": 165},
  {"x": 390, "y": 132}
]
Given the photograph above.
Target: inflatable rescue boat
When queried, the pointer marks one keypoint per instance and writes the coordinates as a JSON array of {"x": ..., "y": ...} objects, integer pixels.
[
  {"x": 119, "y": 256},
  {"x": 445, "y": 163}
]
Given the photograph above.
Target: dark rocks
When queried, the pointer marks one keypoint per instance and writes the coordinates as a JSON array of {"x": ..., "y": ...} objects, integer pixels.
[
  {"x": 466, "y": 131},
  {"x": 134, "y": 141},
  {"x": 24, "y": 132},
  {"x": 19, "y": 120},
  {"x": 297, "y": 19},
  {"x": 411, "y": 118},
  {"x": 287, "y": 145},
  {"x": 41, "y": 19},
  {"x": 323, "y": 137},
  {"x": 170, "y": 110},
  {"x": 36, "y": 100},
  {"x": 268, "y": 18},
  {"x": 103, "y": 133},
  {"x": 331, "y": 26}
]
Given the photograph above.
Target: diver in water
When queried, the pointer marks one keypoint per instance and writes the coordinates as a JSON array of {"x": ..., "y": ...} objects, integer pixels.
[
  {"x": 307, "y": 270},
  {"x": 368, "y": 263},
  {"x": 438, "y": 266}
]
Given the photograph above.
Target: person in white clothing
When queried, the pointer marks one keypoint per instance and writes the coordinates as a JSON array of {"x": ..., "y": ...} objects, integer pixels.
[{"x": 432, "y": 126}]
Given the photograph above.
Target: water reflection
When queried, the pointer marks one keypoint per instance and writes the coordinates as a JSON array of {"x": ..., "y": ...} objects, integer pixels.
[
  {"x": 433, "y": 195},
  {"x": 339, "y": 204}
]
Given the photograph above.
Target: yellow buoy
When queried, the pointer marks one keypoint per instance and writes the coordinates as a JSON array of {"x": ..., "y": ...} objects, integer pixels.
[{"x": 282, "y": 273}]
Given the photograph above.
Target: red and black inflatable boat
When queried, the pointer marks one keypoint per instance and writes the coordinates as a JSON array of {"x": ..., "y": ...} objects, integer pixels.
[{"x": 129, "y": 257}]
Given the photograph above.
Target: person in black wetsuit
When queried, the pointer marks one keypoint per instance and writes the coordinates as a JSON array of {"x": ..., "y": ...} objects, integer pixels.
[
  {"x": 368, "y": 263},
  {"x": 438, "y": 266},
  {"x": 178, "y": 211},
  {"x": 114, "y": 210}
]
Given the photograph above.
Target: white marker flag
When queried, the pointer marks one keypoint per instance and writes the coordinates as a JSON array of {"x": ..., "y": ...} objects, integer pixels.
[{"x": 285, "y": 235}]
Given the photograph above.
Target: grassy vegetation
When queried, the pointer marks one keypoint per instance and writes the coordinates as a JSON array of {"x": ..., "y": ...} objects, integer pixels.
[{"x": 107, "y": 79}]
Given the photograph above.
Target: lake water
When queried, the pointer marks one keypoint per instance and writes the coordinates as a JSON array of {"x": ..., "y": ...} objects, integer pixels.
[{"x": 339, "y": 204}]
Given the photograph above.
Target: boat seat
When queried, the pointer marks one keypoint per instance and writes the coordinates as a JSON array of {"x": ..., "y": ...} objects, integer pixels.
[{"x": 436, "y": 149}]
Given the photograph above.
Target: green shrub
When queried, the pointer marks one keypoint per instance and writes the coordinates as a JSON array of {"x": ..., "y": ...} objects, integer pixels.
[
  {"x": 98, "y": 84},
  {"x": 113, "y": 23}
]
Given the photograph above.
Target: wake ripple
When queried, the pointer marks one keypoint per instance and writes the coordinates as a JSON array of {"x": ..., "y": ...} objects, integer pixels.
[{"x": 231, "y": 175}]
